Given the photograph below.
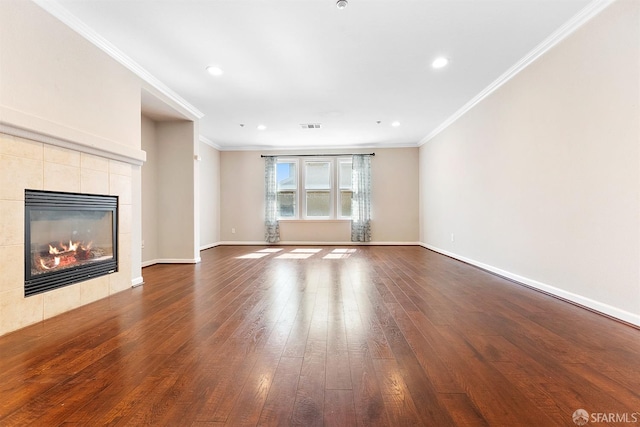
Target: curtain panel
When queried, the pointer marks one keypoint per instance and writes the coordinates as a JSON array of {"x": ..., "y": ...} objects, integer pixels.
[
  {"x": 361, "y": 199},
  {"x": 271, "y": 223}
]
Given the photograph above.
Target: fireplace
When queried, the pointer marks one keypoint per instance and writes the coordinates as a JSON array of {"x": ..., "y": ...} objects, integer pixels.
[{"x": 69, "y": 238}]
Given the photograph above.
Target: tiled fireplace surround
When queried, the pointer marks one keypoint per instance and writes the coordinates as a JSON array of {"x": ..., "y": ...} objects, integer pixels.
[{"x": 39, "y": 166}]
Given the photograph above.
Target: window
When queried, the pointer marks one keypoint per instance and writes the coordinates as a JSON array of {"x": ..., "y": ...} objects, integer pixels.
[
  {"x": 324, "y": 191},
  {"x": 287, "y": 187},
  {"x": 317, "y": 187}
]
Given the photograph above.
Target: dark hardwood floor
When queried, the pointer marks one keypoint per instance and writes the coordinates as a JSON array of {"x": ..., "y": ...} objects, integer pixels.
[{"x": 338, "y": 337}]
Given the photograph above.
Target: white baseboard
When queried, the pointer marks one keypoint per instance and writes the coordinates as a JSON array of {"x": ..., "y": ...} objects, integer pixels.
[
  {"x": 589, "y": 303},
  {"x": 209, "y": 246},
  {"x": 137, "y": 281},
  {"x": 170, "y": 261},
  {"x": 315, "y": 243},
  {"x": 148, "y": 263}
]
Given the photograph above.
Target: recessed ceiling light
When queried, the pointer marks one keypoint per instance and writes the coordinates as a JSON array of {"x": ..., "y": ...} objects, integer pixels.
[
  {"x": 261, "y": 127},
  {"x": 440, "y": 62},
  {"x": 341, "y": 4},
  {"x": 395, "y": 124},
  {"x": 214, "y": 71}
]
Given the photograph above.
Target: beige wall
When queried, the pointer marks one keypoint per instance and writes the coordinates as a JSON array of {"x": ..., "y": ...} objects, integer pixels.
[
  {"x": 394, "y": 201},
  {"x": 56, "y": 82},
  {"x": 209, "y": 196},
  {"x": 80, "y": 112},
  {"x": 175, "y": 185},
  {"x": 169, "y": 206},
  {"x": 149, "y": 193},
  {"x": 540, "y": 181}
]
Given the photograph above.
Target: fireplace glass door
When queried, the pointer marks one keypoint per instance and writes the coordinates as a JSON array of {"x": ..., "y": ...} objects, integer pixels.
[{"x": 69, "y": 238}]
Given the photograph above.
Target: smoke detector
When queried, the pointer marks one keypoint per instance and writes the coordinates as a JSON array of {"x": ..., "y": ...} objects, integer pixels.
[{"x": 341, "y": 4}]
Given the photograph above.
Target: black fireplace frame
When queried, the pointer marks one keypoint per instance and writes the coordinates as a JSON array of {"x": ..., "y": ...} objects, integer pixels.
[{"x": 55, "y": 200}]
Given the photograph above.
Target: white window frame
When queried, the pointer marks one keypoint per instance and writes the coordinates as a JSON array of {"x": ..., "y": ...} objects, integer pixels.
[
  {"x": 339, "y": 189},
  {"x": 300, "y": 213}
]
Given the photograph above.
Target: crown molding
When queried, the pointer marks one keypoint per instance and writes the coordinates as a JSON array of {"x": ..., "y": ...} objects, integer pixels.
[
  {"x": 315, "y": 147},
  {"x": 70, "y": 20},
  {"x": 591, "y": 10},
  {"x": 210, "y": 143}
]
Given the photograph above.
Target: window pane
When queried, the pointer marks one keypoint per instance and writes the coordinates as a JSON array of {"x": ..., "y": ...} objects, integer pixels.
[
  {"x": 286, "y": 176},
  {"x": 345, "y": 203},
  {"x": 318, "y": 203},
  {"x": 286, "y": 204},
  {"x": 317, "y": 175},
  {"x": 345, "y": 174}
]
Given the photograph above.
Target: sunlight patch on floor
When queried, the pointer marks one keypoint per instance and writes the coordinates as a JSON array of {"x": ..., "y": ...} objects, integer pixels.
[{"x": 339, "y": 254}]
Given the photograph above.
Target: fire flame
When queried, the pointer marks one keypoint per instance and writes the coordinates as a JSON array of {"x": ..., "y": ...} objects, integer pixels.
[
  {"x": 63, "y": 254},
  {"x": 56, "y": 262},
  {"x": 71, "y": 248}
]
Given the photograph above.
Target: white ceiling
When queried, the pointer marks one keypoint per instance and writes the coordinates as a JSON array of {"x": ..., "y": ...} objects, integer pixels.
[{"x": 289, "y": 62}]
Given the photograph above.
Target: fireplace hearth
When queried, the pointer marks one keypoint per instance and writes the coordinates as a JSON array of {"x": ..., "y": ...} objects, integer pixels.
[{"x": 69, "y": 238}]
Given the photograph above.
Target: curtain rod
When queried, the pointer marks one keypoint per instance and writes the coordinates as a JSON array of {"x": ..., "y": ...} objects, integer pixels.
[{"x": 317, "y": 155}]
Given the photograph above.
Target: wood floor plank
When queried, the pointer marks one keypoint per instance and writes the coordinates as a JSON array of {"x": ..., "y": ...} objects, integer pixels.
[
  {"x": 358, "y": 335},
  {"x": 368, "y": 402},
  {"x": 339, "y": 408},
  {"x": 278, "y": 407}
]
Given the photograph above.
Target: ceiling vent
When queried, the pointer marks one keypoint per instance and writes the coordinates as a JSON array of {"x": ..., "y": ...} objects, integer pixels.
[{"x": 310, "y": 126}]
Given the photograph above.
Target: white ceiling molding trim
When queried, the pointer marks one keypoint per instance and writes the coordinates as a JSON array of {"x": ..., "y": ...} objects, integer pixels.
[
  {"x": 323, "y": 148},
  {"x": 563, "y": 32},
  {"x": 210, "y": 143},
  {"x": 62, "y": 14}
]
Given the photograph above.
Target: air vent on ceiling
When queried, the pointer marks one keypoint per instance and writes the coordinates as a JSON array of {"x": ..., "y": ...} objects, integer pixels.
[{"x": 310, "y": 126}]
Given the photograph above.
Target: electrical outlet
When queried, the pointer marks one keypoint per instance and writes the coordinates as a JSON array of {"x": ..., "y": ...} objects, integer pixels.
[
  {"x": 143, "y": 244},
  {"x": 453, "y": 238},
  {"x": 233, "y": 231}
]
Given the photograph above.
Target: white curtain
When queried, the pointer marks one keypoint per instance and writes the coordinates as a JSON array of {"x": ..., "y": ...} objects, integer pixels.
[
  {"x": 361, "y": 199},
  {"x": 271, "y": 223}
]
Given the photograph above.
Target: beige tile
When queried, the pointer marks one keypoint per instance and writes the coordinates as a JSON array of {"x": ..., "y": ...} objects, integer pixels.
[
  {"x": 119, "y": 168},
  {"x": 124, "y": 244},
  {"x": 122, "y": 279},
  {"x": 94, "y": 289},
  {"x": 20, "y": 147},
  {"x": 6, "y": 143},
  {"x": 119, "y": 281},
  {"x": 11, "y": 222},
  {"x": 96, "y": 163},
  {"x": 12, "y": 267},
  {"x": 125, "y": 217},
  {"x": 16, "y": 311},
  {"x": 58, "y": 177},
  {"x": 61, "y": 156},
  {"x": 120, "y": 185},
  {"x": 94, "y": 182},
  {"x": 18, "y": 173},
  {"x": 61, "y": 300}
]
